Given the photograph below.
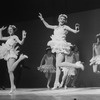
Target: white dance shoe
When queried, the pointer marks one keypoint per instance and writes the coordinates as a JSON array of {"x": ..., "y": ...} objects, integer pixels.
[
  {"x": 79, "y": 65},
  {"x": 57, "y": 85},
  {"x": 22, "y": 56},
  {"x": 13, "y": 89}
]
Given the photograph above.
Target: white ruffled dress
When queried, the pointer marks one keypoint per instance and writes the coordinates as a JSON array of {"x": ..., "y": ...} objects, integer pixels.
[
  {"x": 7, "y": 49},
  {"x": 58, "y": 41}
]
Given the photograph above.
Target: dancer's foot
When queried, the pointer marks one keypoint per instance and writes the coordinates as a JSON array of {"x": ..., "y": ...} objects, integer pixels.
[
  {"x": 79, "y": 65},
  {"x": 56, "y": 86},
  {"x": 48, "y": 86},
  {"x": 72, "y": 85},
  {"x": 12, "y": 90},
  {"x": 65, "y": 87},
  {"x": 22, "y": 56},
  {"x": 97, "y": 72},
  {"x": 61, "y": 85}
]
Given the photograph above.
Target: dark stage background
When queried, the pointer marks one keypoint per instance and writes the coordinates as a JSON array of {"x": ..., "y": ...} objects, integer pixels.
[{"x": 36, "y": 42}]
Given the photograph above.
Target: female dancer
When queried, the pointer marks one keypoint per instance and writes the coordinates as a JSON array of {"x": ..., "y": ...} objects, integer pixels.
[
  {"x": 9, "y": 52},
  {"x": 49, "y": 67},
  {"x": 58, "y": 43},
  {"x": 68, "y": 72},
  {"x": 95, "y": 61},
  {"x": 76, "y": 58}
]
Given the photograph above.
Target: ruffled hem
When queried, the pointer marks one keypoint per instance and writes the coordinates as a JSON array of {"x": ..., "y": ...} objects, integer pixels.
[
  {"x": 59, "y": 46},
  {"x": 69, "y": 71},
  {"x": 6, "y": 52},
  {"x": 47, "y": 68},
  {"x": 95, "y": 60}
]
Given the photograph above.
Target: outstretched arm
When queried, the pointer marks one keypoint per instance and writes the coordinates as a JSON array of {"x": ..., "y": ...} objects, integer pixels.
[
  {"x": 45, "y": 23},
  {"x": 23, "y": 38},
  {"x": 1, "y": 37},
  {"x": 72, "y": 30}
]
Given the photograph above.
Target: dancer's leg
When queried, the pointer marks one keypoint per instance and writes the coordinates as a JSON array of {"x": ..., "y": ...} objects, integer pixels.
[
  {"x": 67, "y": 81},
  {"x": 11, "y": 74},
  {"x": 68, "y": 64},
  {"x": 49, "y": 80},
  {"x": 74, "y": 78},
  {"x": 95, "y": 68},
  {"x": 65, "y": 73},
  {"x": 46, "y": 75},
  {"x": 59, "y": 59},
  {"x": 12, "y": 64}
]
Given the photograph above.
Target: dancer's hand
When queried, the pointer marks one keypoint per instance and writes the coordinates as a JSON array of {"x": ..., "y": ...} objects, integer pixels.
[
  {"x": 40, "y": 16},
  {"x": 16, "y": 51},
  {"x": 77, "y": 26},
  {"x": 24, "y": 34},
  {"x": 2, "y": 28},
  {"x": 98, "y": 35}
]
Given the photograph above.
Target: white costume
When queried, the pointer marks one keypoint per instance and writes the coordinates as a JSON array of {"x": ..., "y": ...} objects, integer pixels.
[
  {"x": 7, "y": 49},
  {"x": 48, "y": 66},
  {"x": 58, "y": 42},
  {"x": 96, "y": 58},
  {"x": 69, "y": 70}
]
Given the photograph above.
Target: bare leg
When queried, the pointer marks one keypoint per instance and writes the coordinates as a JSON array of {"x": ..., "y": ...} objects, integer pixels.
[
  {"x": 67, "y": 81},
  {"x": 75, "y": 65},
  {"x": 59, "y": 59},
  {"x": 74, "y": 78},
  {"x": 65, "y": 73},
  {"x": 49, "y": 80},
  {"x": 12, "y": 64},
  {"x": 46, "y": 75},
  {"x": 95, "y": 68},
  {"x": 73, "y": 81}
]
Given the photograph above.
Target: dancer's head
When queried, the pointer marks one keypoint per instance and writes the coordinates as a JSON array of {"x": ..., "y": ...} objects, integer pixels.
[
  {"x": 75, "y": 48},
  {"x": 98, "y": 38},
  {"x": 48, "y": 50},
  {"x": 11, "y": 29},
  {"x": 62, "y": 19}
]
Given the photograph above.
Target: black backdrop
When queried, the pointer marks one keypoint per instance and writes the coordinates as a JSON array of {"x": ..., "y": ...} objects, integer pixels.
[{"x": 38, "y": 36}]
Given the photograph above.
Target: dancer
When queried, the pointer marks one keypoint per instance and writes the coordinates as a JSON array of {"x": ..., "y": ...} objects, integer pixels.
[
  {"x": 95, "y": 61},
  {"x": 76, "y": 58},
  {"x": 47, "y": 65},
  {"x": 69, "y": 72},
  {"x": 9, "y": 52},
  {"x": 58, "y": 43}
]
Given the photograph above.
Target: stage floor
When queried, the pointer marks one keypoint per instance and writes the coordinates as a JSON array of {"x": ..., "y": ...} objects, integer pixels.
[{"x": 91, "y": 93}]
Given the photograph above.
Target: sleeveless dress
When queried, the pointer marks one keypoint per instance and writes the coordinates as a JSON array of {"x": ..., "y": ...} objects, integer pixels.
[
  {"x": 96, "y": 59},
  {"x": 48, "y": 66},
  {"x": 58, "y": 41},
  {"x": 7, "y": 49}
]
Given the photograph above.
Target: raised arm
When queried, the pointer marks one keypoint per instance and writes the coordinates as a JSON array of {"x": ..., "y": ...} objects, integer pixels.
[
  {"x": 1, "y": 37},
  {"x": 23, "y": 38},
  {"x": 72, "y": 30},
  {"x": 45, "y": 23}
]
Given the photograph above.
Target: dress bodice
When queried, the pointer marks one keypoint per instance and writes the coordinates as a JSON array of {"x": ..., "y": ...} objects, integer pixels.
[
  {"x": 49, "y": 60},
  {"x": 59, "y": 33},
  {"x": 97, "y": 49},
  {"x": 11, "y": 42},
  {"x": 70, "y": 58}
]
